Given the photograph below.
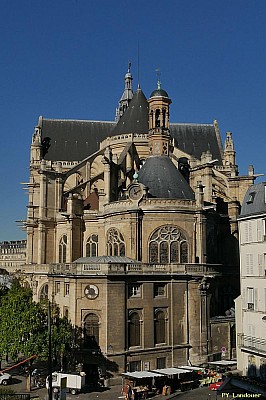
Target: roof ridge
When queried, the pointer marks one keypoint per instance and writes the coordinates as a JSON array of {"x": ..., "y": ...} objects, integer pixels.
[
  {"x": 191, "y": 123},
  {"x": 76, "y": 120}
]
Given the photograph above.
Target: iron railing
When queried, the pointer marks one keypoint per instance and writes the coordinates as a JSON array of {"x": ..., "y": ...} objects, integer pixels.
[{"x": 251, "y": 342}]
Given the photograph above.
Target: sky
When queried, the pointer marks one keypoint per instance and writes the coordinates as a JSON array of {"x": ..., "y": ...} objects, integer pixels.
[{"x": 67, "y": 59}]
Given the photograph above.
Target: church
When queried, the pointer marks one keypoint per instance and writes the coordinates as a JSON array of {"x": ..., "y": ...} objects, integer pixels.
[{"x": 132, "y": 232}]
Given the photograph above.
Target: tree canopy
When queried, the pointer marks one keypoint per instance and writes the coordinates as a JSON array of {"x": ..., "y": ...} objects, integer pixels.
[{"x": 24, "y": 326}]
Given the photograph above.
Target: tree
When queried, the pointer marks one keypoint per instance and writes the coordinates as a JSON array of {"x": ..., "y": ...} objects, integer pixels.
[{"x": 24, "y": 327}]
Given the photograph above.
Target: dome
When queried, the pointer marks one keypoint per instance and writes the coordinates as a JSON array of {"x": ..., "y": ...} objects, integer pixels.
[
  {"x": 159, "y": 93},
  {"x": 163, "y": 179}
]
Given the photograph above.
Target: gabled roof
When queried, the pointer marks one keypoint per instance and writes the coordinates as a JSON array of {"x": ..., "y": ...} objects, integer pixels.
[
  {"x": 164, "y": 180},
  {"x": 74, "y": 140},
  {"x": 195, "y": 139}
]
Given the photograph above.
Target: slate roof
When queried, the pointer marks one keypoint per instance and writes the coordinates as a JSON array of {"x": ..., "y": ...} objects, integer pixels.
[
  {"x": 195, "y": 139},
  {"x": 164, "y": 180},
  {"x": 74, "y": 140},
  {"x": 136, "y": 117},
  {"x": 254, "y": 200}
]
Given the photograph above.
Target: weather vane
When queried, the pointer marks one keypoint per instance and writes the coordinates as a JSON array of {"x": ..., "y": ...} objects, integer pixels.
[{"x": 158, "y": 73}]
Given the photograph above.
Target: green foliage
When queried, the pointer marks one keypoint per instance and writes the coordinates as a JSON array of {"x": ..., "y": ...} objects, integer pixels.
[
  {"x": 5, "y": 390},
  {"x": 24, "y": 326}
]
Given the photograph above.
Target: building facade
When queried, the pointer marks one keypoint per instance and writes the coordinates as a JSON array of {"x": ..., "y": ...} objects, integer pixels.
[
  {"x": 251, "y": 305},
  {"x": 12, "y": 255},
  {"x": 132, "y": 231}
]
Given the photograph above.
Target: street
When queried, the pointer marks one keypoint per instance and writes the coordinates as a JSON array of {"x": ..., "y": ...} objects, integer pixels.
[{"x": 112, "y": 393}]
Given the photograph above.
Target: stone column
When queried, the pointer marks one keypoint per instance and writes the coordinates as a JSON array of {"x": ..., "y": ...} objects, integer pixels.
[{"x": 204, "y": 318}]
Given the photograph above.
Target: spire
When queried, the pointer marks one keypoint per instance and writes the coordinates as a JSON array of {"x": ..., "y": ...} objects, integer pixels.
[{"x": 126, "y": 96}]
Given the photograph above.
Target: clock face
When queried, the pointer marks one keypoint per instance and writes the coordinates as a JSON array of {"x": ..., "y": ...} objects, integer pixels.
[
  {"x": 91, "y": 292},
  {"x": 135, "y": 192}
]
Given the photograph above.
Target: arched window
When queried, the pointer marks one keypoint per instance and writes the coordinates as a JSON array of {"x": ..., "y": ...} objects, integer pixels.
[
  {"x": 157, "y": 118},
  {"x": 92, "y": 246},
  {"x": 134, "y": 329},
  {"x": 168, "y": 244},
  {"x": 159, "y": 327},
  {"x": 62, "y": 249},
  {"x": 44, "y": 292},
  {"x": 91, "y": 331},
  {"x": 115, "y": 243}
]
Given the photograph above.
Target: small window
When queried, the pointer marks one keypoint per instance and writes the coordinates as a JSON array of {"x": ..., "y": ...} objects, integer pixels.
[
  {"x": 251, "y": 197},
  {"x": 135, "y": 366},
  {"x": 57, "y": 287},
  {"x": 250, "y": 298},
  {"x": 161, "y": 362},
  {"x": 65, "y": 312},
  {"x": 159, "y": 290},
  {"x": 66, "y": 289},
  {"x": 134, "y": 290}
]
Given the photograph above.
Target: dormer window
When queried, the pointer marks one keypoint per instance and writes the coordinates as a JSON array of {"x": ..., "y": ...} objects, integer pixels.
[{"x": 251, "y": 197}]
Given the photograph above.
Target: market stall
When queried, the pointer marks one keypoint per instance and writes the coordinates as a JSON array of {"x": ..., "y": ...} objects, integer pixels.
[
  {"x": 175, "y": 378},
  {"x": 140, "y": 384}
]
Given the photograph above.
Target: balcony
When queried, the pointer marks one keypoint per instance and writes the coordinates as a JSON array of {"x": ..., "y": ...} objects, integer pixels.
[
  {"x": 134, "y": 269},
  {"x": 251, "y": 344}
]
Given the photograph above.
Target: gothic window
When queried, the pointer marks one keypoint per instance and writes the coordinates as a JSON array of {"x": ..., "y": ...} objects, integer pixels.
[
  {"x": 168, "y": 244},
  {"x": 159, "y": 327},
  {"x": 62, "y": 249},
  {"x": 134, "y": 329},
  {"x": 92, "y": 246},
  {"x": 115, "y": 243},
  {"x": 91, "y": 331},
  {"x": 44, "y": 292},
  {"x": 183, "y": 252}
]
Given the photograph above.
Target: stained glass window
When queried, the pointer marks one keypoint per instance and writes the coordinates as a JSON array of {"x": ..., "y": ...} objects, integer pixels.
[{"x": 168, "y": 244}]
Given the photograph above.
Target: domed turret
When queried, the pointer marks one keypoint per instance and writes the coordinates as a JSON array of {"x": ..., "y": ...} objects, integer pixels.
[{"x": 159, "y": 92}]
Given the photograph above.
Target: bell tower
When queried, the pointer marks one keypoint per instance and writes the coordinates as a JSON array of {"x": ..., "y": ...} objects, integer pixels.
[{"x": 159, "y": 134}]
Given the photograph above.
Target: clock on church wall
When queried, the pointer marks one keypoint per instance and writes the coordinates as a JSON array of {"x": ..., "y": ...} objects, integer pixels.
[{"x": 91, "y": 292}]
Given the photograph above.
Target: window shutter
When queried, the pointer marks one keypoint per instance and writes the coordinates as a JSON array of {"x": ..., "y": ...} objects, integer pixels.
[
  {"x": 246, "y": 232},
  {"x": 249, "y": 231},
  {"x": 244, "y": 304},
  {"x": 259, "y": 230},
  {"x": 260, "y": 260},
  {"x": 256, "y": 306}
]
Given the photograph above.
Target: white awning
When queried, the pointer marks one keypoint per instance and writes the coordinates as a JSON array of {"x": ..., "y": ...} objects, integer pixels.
[
  {"x": 141, "y": 374},
  {"x": 191, "y": 368},
  {"x": 171, "y": 371},
  {"x": 223, "y": 362}
]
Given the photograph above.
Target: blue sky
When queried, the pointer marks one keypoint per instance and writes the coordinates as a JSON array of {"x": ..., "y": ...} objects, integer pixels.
[{"x": 67, "y": 59}]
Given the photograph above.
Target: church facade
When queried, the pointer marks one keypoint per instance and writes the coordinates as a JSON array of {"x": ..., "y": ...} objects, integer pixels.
[{"x": 132, "y": 231}]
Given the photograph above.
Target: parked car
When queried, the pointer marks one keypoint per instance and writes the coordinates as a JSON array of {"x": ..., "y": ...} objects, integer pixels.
[{"x": 5, "y": 378}]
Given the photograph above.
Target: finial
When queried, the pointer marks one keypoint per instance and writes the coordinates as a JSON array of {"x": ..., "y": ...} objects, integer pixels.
[
  {"x": 158, "y": 73},
  {"x": 135, "y": 177},
  {"x": 129, "y": 67}
]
